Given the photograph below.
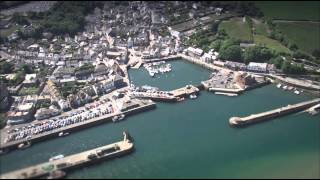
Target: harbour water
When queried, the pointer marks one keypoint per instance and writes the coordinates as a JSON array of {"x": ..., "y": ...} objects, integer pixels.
[{"x": 193, "y": 139}]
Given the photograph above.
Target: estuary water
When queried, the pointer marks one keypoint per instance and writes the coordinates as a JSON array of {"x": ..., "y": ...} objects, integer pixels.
[{"x": 193, "y": 139}]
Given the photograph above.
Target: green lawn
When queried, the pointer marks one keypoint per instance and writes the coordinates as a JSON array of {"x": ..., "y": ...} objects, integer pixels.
[
  {"x": 270, "y": 43},
  {"x": 260, "y": 28},
  {"x": 305, "y": 35},
  {"x": 237, "y": 29},
  {"x": 28, "y": 91},
  {"x": 290, "y": 10}
]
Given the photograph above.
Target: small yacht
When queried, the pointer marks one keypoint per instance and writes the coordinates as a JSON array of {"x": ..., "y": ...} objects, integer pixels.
[{"x": 279, "y": 85}]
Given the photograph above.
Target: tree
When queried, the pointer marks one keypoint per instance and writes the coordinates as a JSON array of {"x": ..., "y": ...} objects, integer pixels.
[
  {"x": 287, "y": 67},
  {"x": 300, "y": 55},
  {"x": 16, "y": 17},
  {"x": 232, "y": 53},
  {"x": 215, "y": 44},
  {"x": 6, "y": 67},
  {"x": 277, "y": 61},
  {"x": 214, "y": 26},
  {"x": 27, "y": 69},
  {"x": 316, "y": 53},
  {"x": 228, "y": 42},
  {"x": 292, "y": 46}
]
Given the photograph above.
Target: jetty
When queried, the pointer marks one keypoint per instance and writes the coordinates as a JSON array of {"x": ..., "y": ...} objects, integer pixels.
[
  {"x": 73, "y": 161},
  {"x": 134, "y": 107},
  {"x": 184, "y": 91},
  {"x": 155, "y": 96},
  {"x": 254, "y": 118}
]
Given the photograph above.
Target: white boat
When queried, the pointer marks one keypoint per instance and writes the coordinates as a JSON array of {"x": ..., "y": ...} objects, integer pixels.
[
  {"x": 297, "y": 92},
  {"x": 63, "y": 134},
  {"x": 151, "y": 73},
  {"x": 122, "y": 116},
  {"x": 60, "y": 156},
  {"x": 279, "y": 85},
  {"x": 193, "y": 96},
  {"x": 285, "y": 88},
  {"x": 115, "y": 118},
  {"x": 24, "y": 145}
]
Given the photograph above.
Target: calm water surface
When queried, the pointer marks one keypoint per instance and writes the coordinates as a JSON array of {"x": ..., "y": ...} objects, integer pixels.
[{"x": 192, "y": 139}]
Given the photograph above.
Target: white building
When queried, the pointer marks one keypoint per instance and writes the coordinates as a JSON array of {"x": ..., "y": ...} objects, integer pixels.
[
  {"x": 195, "y": 51},
  {"x": 257, "y": 67}
]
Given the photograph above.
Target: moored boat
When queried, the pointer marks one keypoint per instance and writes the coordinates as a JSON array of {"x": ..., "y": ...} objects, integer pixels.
[
  {"x": 193, "y": 96},
  {"x": 63, "y": 134},
  {"x": 24, "y": 145}
]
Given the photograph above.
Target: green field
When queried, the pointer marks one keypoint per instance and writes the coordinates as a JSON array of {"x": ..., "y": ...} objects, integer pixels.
[
  {"x": 270, "y": 43},
  {"x": 237, "y": 29},
  {"x": 290, "y": 10},
  {"x": 260, "y": 28},
  {"x": 305, "y": 35}
]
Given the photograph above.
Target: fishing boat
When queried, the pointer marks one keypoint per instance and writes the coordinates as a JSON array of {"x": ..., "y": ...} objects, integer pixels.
[
  {"x": 60, "y": 156},
  {"x": 24, "y": 145},
  {"x": 279, "y": 85},
  {"x": 297, "y": 92}
]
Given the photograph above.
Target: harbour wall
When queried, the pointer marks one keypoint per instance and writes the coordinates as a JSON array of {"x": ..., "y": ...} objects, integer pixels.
[
  {"x": 255, "y": 118},
  {"x": 76, "y": 127}
]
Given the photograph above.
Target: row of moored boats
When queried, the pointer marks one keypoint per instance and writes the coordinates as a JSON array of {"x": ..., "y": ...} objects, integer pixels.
[{"x": 289, "y": 88}]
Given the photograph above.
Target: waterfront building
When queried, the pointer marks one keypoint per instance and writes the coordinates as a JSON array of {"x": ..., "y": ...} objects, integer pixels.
[
  {"x": 195, "y": 52},
  {"x": 257, "y": 67}
]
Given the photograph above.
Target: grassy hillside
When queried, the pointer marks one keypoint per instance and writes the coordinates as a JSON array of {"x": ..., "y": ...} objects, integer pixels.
[
  {"x": 270, "y": 43},
  {"x": 290, "y": 10},
  {"x": 237, "y": 29},
  {"x": 305, "y": 35}
]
